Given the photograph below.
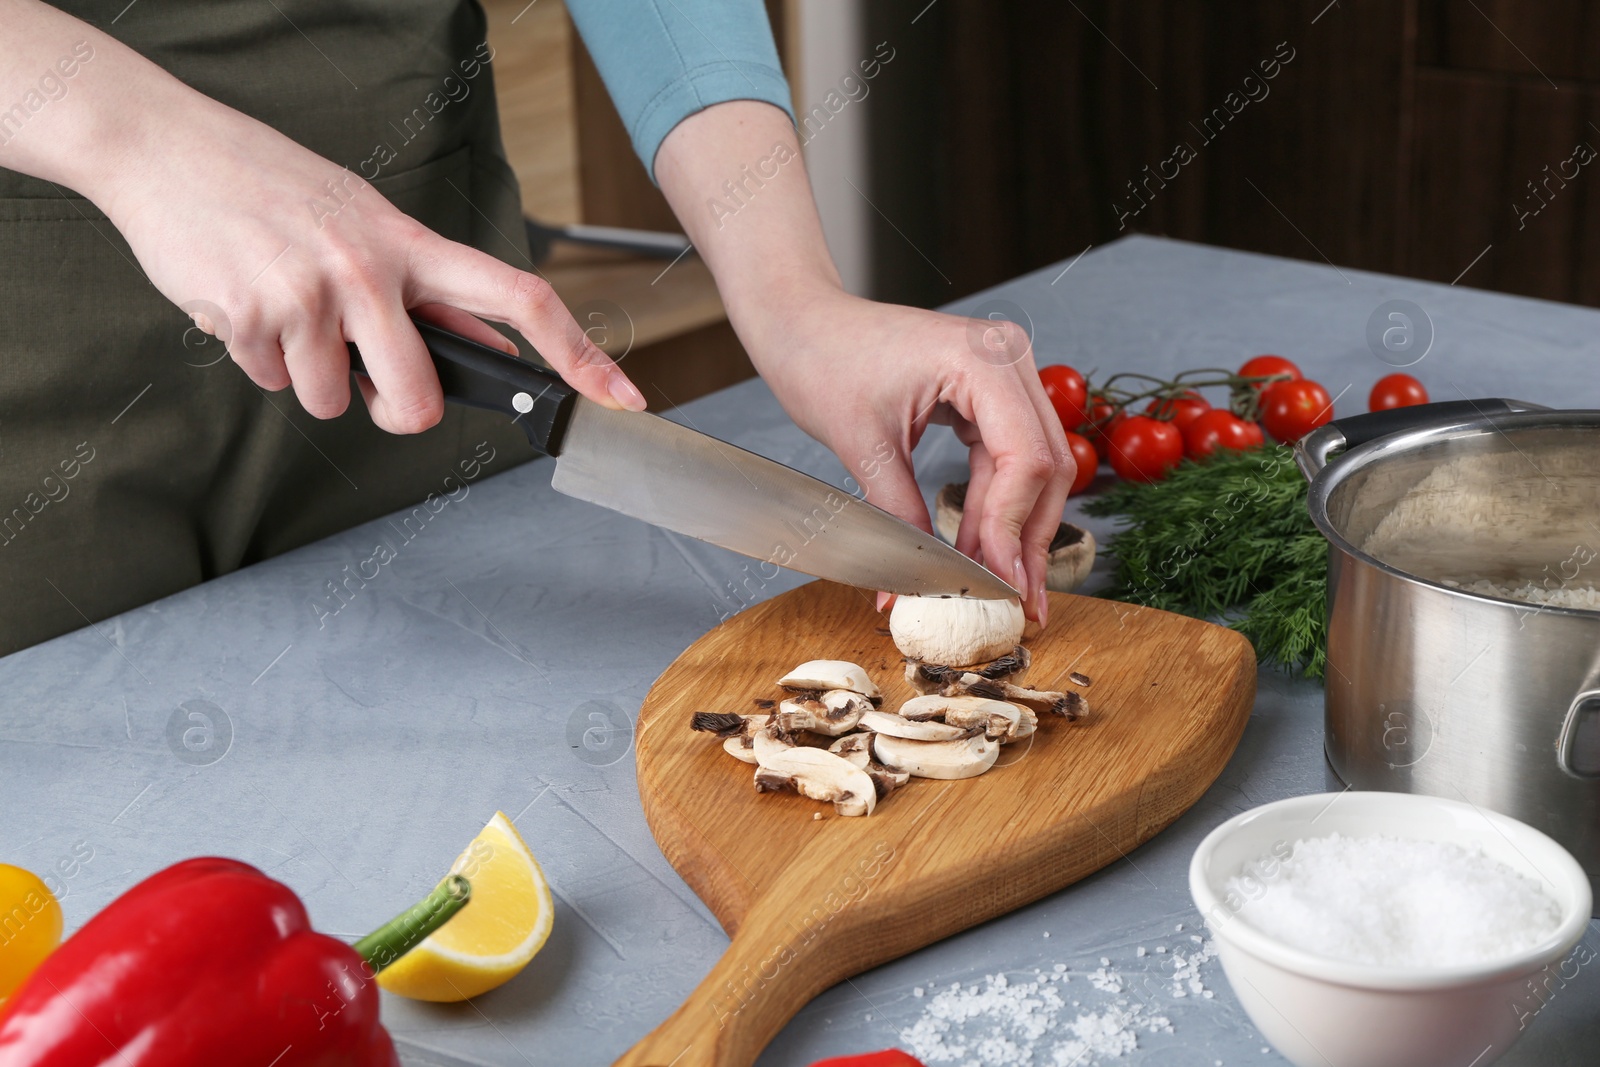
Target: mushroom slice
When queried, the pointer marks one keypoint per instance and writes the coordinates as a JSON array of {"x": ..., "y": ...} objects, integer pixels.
[
  {"x": 966, "y": 758},
  {"x": 856, "y": 747},
  {"x": 767, "y": 742},
  {"x": 739, "y": 741},
  {"x": 820, "y": 775},
  {"x": 1070, "y": 558},
  {"x": 884, "y": 780},
  {"x": 824, "y": 674},
  {"x": 996, "y": 718},
  {"x": 833, "y": 713},
  {"x": 928, "y": 677},
  {"x": 1026, "y": 726},
  {"x": 947, "y": 508},
  {"x": 721, "y": 723},
  {"x": 1044, "y": 702},
  {"x": 882, "y": 722},
  {"x": 955, "y": 630}
]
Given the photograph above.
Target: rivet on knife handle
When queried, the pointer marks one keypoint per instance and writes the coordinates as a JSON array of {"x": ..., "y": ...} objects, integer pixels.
[{"x": 483, "y": 377}]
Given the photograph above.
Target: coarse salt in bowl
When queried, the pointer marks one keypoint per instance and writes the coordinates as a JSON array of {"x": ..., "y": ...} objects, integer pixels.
[{"x": 1322, "y": 1011}]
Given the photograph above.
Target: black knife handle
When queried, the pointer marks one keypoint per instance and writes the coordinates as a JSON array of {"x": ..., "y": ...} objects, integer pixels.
[{"x": 483, "y": 377}]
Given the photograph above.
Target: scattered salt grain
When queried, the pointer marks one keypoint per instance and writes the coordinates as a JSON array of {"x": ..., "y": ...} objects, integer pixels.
[
  {"x": 1161, "y": 948},
  {"x": 1180, "y": 928},
  {"x": 1047, "y": 933},
  {"x": 916, "y": 991},
  {"x": 868, "y": 1017},
  {"x": 1001, "y": 1022},
  {"x": 1139, "y": 952},
  {"x": 1105, "y": 961},
  {"x": 1395, "y": 902}
]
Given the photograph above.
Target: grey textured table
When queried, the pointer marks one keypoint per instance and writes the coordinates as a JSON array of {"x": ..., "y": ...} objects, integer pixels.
[{"x": 353, "y": 755}]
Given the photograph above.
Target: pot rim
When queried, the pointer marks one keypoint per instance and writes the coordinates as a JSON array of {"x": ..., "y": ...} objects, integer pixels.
[{"x": 1376, "y": 451}]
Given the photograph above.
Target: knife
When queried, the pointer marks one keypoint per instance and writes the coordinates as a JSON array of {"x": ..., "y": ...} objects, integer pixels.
[{"x": 688, "y": 482}]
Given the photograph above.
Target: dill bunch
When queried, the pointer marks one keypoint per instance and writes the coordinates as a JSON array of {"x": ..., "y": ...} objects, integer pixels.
[{"x": 1228, "y": 539}]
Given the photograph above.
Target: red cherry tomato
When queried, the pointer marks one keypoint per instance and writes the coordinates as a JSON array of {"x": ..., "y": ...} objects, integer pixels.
[
  {"x": 1101, "y": 418},
  {"x": 1067, "y": 392},
  {"x": 1396, "y": 391},
  {"x": 1290, "y": 410},
  {"x": 1180, "y": 410},
  {"x": 1260, "y": 366},
  {"x": 1087, "y": 458},
  {"x": 1217, "y": 429},
  {"x": 1143, "y": 449}
]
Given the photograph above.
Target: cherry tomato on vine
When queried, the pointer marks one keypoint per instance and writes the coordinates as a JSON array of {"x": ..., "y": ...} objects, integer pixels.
[
  {"x": 1179, "y": 410},
  {"x": 1220, "y": 430},
  {"x": 1260, "y": 366},
  {"x": 1088, "y": 460},
  {"x": 1143, "y": 449},
  {"x": 1102, "y": 416},
  {"x": 1396, "y": 391},
  {"x": 1067, "y": 392},
  {"x": 1290, "y": 410}
]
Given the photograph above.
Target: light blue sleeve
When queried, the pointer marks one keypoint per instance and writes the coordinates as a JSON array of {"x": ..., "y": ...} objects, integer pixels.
[{"x": 663, "y": 60}]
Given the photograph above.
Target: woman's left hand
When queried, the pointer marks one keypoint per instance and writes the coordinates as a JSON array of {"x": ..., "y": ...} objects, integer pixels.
[
  {"x": 864, "y": 378},
  {"x": 867, "y": 379}
]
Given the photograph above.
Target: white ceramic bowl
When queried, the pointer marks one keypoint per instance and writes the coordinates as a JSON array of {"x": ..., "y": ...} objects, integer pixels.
[{"x": 1321, "y": 1012}]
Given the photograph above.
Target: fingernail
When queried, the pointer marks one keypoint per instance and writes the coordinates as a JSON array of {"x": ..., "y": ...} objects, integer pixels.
[
  {"x": 1019, "y": 578},
  {"x": 624, "y": 392},
  {"x": 883, "y": 600},
  {"x": 1042, "y": 598}
]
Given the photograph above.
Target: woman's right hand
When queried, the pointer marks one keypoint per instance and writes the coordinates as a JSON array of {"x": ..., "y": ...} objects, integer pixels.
[{"x": 298, "y": 254}]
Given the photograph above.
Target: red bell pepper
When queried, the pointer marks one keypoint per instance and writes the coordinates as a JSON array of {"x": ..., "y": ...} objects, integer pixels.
[
  {"x": 889, "y": 1057},
  {"x": 211, "y": 962}
]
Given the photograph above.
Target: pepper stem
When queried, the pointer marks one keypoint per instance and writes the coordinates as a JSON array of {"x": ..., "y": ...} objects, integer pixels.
[{"x": 407, "y": 930}]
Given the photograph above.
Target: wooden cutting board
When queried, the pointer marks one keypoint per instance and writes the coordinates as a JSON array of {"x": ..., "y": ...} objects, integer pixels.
[{"x": 811, "y": 902}]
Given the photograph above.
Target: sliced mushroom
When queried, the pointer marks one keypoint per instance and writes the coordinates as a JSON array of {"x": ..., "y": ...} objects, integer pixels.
[
  {"x": 947, "y": 508},
  {"x": 856, "y": 747},
  {"x": 1026, "y": 726},
  {"x": 1045, "y": 702},
  {"x": 721, "y": 723},
  {"x": 820, "y": 775},
  {"x": 741, "y": 744},
  {"x": 882, "y": 722},
  {"x": 998, "y": 719},
  {"x": 966, "y": 758},
  {"x": 955, "y": 631},
  {"x": 825, "y": 674},
  {"x": 1070, "y": 559},
  {"x": 884, "y": 780},
  {"x": 833, "y": 713},
  {"x": 929, "y": 677}
]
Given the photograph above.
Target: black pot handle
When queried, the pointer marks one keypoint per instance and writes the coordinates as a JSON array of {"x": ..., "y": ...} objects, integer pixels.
[
  {"x": 483, "y": 377},
  {"x": 1311, "y": 452}
]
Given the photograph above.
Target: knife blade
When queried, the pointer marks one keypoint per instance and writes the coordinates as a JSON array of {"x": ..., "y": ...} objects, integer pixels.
[{"x": 680, "y": 479}]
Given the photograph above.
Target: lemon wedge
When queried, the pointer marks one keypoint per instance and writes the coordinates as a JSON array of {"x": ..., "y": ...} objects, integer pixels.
[{"x": 494, "y": 936}]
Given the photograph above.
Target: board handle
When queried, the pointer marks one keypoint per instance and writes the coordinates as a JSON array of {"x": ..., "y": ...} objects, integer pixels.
[{"x": 804, "y": 935}]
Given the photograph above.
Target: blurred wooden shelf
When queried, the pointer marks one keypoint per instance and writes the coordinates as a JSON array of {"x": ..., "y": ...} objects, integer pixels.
[
  {"x": 658, "y": 299},
  {"x": 575, "y": 163}
]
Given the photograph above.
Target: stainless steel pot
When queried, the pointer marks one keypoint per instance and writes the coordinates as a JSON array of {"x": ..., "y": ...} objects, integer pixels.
[{"x": 1432, "y": 688}]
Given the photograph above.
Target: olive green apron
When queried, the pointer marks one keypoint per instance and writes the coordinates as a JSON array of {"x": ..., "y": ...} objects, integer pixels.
[{"x": 135, "y": 458}]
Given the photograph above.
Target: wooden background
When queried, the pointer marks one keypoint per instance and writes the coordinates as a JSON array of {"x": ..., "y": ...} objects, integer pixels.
[{"x": 1398, "y": 139}]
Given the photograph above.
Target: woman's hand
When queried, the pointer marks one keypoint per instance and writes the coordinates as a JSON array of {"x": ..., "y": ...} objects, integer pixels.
[
  {"x": 865, "y": 378},
  {"x": 283, "y": 254}
]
